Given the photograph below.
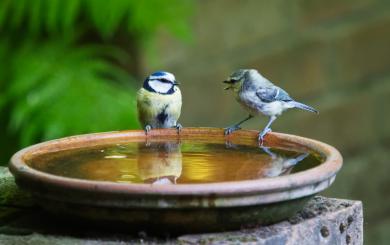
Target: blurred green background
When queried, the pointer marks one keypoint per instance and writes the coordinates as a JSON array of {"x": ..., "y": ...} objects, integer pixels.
[{"x": 71, "y": 67}]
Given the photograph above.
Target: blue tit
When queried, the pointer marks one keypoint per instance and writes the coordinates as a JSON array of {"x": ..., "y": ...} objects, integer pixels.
[
  {"x": 159, "y": 102},
  {"x": 259, "y": 96},
  {"x": 160, "y": 162}
]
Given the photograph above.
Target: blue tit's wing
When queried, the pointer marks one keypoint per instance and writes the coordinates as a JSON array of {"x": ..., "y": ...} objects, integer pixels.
[
  {"x": 270, "y": 94},
  {"x": 146, "y": 106}
]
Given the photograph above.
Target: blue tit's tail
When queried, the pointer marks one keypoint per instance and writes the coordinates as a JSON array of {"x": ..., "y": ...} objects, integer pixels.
[{"x": 299, "y": 105}]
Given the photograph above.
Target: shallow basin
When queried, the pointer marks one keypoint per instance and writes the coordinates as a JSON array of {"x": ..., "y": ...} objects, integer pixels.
[{"x": 198, "y": 180}]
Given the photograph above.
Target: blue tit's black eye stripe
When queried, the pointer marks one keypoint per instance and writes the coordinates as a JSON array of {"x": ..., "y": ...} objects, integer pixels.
[{"x": 164, "y": 80}]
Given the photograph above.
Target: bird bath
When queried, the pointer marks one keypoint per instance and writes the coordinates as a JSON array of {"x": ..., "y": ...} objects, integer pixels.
[{"x": 197, "y": 181}]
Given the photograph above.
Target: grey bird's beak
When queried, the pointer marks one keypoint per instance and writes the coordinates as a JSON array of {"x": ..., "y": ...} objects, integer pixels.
[
  {"x": 228, "y": 82},
  {"x": 176, "y": 83}
]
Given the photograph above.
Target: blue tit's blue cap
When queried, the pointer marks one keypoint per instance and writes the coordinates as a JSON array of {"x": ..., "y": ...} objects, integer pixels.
[
  {"x": 159, "y": 73},
  {"x": 162, "y": 75}
]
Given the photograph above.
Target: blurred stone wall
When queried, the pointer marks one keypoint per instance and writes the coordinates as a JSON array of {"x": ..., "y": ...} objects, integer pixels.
[{"x": 333, "y": 55}]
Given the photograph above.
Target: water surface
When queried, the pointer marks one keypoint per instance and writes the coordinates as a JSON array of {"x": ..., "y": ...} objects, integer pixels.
[{"x": 173, "y": 162}]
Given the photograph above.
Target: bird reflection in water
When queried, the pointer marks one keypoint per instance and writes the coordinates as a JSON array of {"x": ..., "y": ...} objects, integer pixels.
[
  {"x": 280, "y": 165},
  {"x": 159, "y": 163},
  {"x": 273, "y": 164}
]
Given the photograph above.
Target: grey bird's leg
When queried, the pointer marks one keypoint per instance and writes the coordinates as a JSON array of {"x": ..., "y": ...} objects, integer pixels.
[
  {"x": 236, "y": 126},
  {"x": 178, "y": 127},
  {"x": 268, "y": 151},
  {"x": 266, "y": 129},
  {"x": 147, "y": 129}
]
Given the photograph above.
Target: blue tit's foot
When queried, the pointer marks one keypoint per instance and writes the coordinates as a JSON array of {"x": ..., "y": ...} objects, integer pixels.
[
  {"x": 230, "y": 145},
  {"x": 178, "y": 127},
  {"x": 147, "y": 129},
  {"x": 231, "y": 129},
  {"x": 263, "y": 134}
]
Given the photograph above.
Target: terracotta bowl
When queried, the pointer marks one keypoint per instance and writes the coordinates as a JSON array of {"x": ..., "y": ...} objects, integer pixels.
[{"x": 182, "y": 207}]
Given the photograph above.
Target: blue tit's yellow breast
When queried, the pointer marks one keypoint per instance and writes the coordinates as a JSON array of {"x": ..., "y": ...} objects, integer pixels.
[{"x": 150, "y": 105}]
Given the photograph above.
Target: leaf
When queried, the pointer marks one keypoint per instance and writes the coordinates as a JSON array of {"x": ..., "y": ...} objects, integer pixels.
[
  {"x": 18, "y": 10},
  {"x": 73, "y": 95},
  {"x": 107, "y": 17},
  {"x": 53, "y": 87},
  {"x": 34, "y": 20},
  {"x": 70, "y": 11},
  {"x": 147, "y": 16},
  {"x": 139, "y": 19},
  {"x": 53, "y": 11},
  {"x": 4, "y": 10}
]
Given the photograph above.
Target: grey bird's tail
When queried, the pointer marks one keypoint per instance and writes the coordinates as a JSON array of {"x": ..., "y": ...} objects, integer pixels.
[{"x": 303, "y": 107}]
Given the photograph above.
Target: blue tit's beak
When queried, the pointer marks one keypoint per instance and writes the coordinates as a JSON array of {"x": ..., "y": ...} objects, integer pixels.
[{"x": 176, "y": 83}]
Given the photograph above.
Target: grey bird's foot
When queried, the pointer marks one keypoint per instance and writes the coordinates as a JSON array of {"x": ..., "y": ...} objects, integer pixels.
[
  {"x": 147, "y": 129},
  {"x": 231, "y": 129},
  {"x": 263, "y": 134},
  {"x": 178, "y": 127},
  {"x": 268, "y": 151}
]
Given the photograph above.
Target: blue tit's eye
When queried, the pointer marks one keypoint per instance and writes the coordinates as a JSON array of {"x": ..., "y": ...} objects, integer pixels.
[{"x": 164, "y": 80}]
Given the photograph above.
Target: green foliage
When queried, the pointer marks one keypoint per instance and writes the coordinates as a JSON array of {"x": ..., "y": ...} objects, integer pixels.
[
  {"x": 79, "y": 97},
  {"x": 61, "y": 71},
  {"x": 138, "y": 17}
]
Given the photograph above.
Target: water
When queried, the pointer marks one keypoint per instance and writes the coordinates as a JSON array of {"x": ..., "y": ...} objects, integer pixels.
[{"x": 172, "y": 162}]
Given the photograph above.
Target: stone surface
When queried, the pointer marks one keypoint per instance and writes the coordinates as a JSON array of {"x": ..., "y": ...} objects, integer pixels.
[
  {"x": 322, "y": 221},
  {"x": 10, "y": 195}
]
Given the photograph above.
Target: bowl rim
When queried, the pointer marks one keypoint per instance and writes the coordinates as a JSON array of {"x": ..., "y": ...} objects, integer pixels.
[{"x": 326, "y": 171}]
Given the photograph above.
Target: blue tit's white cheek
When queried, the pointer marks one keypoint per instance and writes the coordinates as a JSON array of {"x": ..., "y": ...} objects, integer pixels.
[{"x": 160, "y": 87}]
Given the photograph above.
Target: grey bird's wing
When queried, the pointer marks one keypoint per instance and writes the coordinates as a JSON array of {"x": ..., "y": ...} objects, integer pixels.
[{"x": 270, "y": 94}]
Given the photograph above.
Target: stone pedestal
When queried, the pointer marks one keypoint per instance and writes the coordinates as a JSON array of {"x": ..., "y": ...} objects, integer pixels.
[{"x": 322, "y": 221}]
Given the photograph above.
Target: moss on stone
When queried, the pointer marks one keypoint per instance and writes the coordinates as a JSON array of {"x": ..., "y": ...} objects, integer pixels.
[{"x": 10, "y": 194}]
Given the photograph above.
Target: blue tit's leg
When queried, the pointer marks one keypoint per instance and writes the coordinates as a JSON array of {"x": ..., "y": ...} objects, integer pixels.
[
  {"x": 230, "y": 145},
  {"x": 236, "y": 126},
  {"x": 267, "y": 129},
  {"x": 147, "y": 129},
  {"x": 178, "y": 127}
]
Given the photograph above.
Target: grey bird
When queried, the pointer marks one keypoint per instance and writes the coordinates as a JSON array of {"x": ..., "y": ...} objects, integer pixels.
[
  {"x": 279, "y": 164},
  {"x": 260, "y": 96}
]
